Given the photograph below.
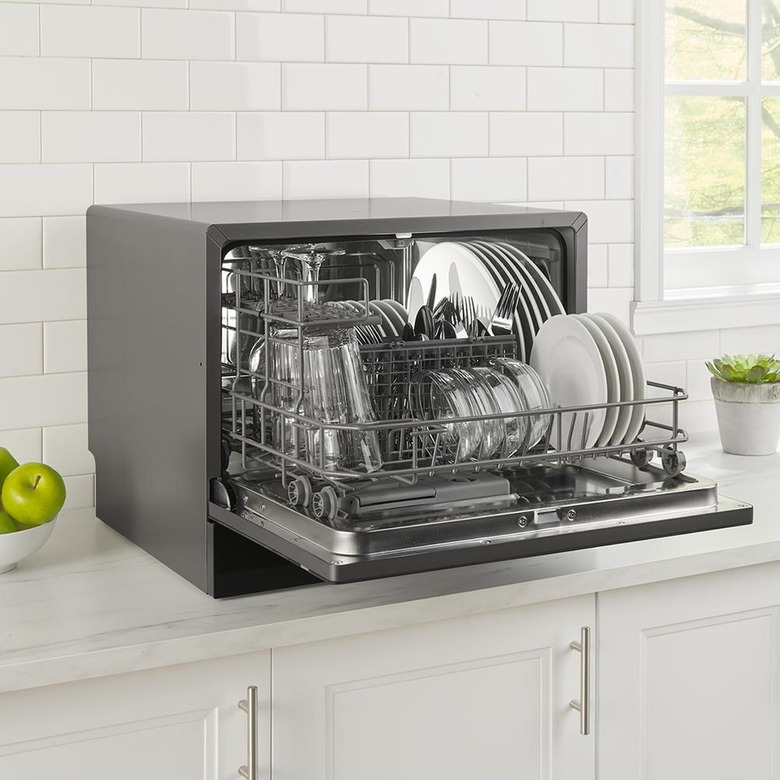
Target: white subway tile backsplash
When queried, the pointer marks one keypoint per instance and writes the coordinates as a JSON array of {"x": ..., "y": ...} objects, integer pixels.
[
  {"x": 621, "y": 265},
  {"x": 526, "y": 134},
  {"x": 449, "y": 134},
  {"x": 488, "y": 9},
  {"x": 564, "y": 10},
  {"x": 565, "y": 89},
  {"x": 367, "y": 135},
  {"x": 616, "y": 11},
  {"x": 490, "y": 179},
  {"x": 448, "y": 41},
  {"x": 90, "y": 136},
  {"x": 609, "y": 221},
  {"x": 33, "y": 190},
  {"x": 702, "y": 344},
  {"x": 20, "y": 244},
  {"x": 64, "y": 346},
  {"x": 65, "y": 448},
  {"x": 697, "y": 381},
  {"x": 616, "y": 301},
  {"x": 328, "y": 87},
  {"x": 620, "y": 177},
  {"x": 598, "y": 265},
  {"x": 409, "y": 7},
  {"x": 46, "y": 399},
  {"x": 21, "y": 348},
  {"x": 139, "y": 85},
  {"x": 235, "y": 86},
  {"x": 141, "y": 182},
  {"x": 281, "y": 136},
  {"x": 483, "y": 88},
  {"x": 599, "y": 45},
  {"x": 172, "y": 136},
  {"x": 409, "y": 87},
  {"x": 326, "y": 179},
  {"x": 526, "y": 43},
  {"x": 619, "y": 90},
  {"x": 599, "y": 133},
  {"x": 570, "y": 177},
  {"x": 40, "y": 296},
  {"x": 187, "y": 35},
  {"x": 24, "y": 444},
  {"x": 405, "y": 178},
  {"x": 326, "y": 6},
  {"x": 18, "y": 29},
  {"x": 280, "y": 37},
  {"x": 212, "y": 181},
  {"x": 90, "y": 31},
  {"x": 20, "y": 136},
  {"x": 64, "y": 242},
  {"x": 146, "y": 3},
  {"x": 235, "y": 5},
  {"x": 80, "y": 491},
  {"x": 745, "y": 341},
  {"x": 45, "y": 82},
  {"x": 367, "y": 39}
]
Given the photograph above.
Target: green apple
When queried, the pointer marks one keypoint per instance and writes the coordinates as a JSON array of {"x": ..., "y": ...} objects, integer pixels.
[
  {"x": 33, "y": 493},
  {"x": 7, "y": 524},
  {"x": 7, "y": 464}
]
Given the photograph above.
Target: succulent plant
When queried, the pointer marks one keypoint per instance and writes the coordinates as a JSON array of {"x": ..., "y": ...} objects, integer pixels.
[{"x": 749, "y": 369}]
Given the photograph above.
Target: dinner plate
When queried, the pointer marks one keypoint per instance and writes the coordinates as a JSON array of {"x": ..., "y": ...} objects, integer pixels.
[
  {"x": 613, "y": 378},
  {"x": 400, "y": 308},
  {"x": 386, "y": 325},
  {"x": 624, "y": 373},
  {"x": 392, "y": 315},
  {"x": 415, "y": 298},
  {"x": 472, "y": 275},
  {"x": 506, "y": 263},
  {"x": 546, "y": 289},
  {"x": 568, "y": 360},
  {"x": 521, "y": 316},
  {"x": 519, "y": 268},
  {"x": 637, "y": 373}
]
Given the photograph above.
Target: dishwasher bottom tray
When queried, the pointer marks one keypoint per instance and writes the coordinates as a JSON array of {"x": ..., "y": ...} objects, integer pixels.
[{"x": 395, "y": 530}]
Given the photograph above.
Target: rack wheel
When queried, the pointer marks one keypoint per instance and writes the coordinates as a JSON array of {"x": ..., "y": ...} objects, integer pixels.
[
  {"x": 299, "y": 491},
  {"x": 325, "y": 504},
  {"x": 641, "y": 457},
  {"x": 673, "y": 461}
]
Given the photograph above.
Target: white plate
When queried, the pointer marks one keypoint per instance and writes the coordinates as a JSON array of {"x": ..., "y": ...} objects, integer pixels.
[
  {"x": 625, "y": 375},
  {"x": 613, "y": 378},
  {"x": 415, "y": 299},
  {"x": 400, "y": 308},
  {"x": 521, "y": 317},
  {"x": 386, "y": 326},
  {"x": 392, "y": 315},
  {"x": 472, "y": 275},
  {"x": 638, "y": 375},
  {"x": 510, "y": 267},
  {"x": 520, "y": 269},
  {"x": 569, "y": 362},
  {"x": 551, "y": 298}
]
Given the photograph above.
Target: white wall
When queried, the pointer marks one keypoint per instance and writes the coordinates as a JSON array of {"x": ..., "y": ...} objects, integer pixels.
[{"x": 496, "y": 100}]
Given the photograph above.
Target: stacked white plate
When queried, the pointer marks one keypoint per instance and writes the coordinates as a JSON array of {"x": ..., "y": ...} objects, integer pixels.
[
  {"x": 482, "y": 269},
  {"x": 591, "y": 359}
]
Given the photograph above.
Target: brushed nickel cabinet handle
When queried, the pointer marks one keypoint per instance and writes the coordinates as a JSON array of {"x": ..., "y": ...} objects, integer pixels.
[
  {"x": 249, "y": 706},
  {"x": 582, "y": 705}
]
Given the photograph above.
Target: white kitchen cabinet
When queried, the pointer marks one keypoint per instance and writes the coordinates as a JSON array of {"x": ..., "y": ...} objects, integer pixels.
[
  {"x": 689, "y": 678},
  {"x": 174, "y": 723},
  {"x": 484, "y": 696}
]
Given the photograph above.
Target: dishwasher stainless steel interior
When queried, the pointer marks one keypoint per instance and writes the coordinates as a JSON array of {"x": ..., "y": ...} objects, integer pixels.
[{"x": 265, "y": 413}]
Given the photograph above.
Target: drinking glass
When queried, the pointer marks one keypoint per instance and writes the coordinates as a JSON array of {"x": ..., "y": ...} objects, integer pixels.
[{"x": 309, "y": 264}]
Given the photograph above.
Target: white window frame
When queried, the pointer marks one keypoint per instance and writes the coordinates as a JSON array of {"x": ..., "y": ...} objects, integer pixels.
[{"x": 712, "y": 288}]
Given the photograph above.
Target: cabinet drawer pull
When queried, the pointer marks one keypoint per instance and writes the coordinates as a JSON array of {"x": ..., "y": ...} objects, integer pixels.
[
  {"x": 582, "y": 705},
  {"x": 249, "y": 706}
]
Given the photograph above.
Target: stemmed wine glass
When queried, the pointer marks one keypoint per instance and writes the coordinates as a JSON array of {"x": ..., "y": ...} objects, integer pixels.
[{"x": 309, "y": 264}]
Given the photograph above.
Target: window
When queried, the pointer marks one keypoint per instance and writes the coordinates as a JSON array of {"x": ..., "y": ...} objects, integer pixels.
[{"x": 708, "y": 78}]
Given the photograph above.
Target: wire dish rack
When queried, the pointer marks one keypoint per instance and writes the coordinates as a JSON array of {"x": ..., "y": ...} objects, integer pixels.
[{"x": 411, "y": 448}]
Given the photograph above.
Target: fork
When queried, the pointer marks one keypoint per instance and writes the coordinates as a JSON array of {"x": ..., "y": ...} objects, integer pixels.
[{"x": 503, "y": 317}]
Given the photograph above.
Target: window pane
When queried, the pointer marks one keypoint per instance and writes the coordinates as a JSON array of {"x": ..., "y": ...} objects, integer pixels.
[
  {"x": 770, "y": 171},
  {"x": 705, "y": 40},
  {"x": 770, "y": 46},
  {"x": 704, "y": 181}
]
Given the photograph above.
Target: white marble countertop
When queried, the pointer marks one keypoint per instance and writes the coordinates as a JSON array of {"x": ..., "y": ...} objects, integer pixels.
[{"x": 91, "y": 603}]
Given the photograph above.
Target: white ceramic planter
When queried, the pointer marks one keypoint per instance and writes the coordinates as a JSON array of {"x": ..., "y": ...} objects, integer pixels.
[{"x": 748, "y": 416}]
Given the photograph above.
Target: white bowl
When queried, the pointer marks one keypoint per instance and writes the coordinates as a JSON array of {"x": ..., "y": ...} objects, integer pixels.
[{"x": 17, "y": 546}]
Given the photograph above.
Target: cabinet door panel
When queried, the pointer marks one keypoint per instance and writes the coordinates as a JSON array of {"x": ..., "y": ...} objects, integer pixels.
[
  {"x": 484, "y": 696},
  {"x": 173, "y": 722},
  {"x": 688, "y": 678}
]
